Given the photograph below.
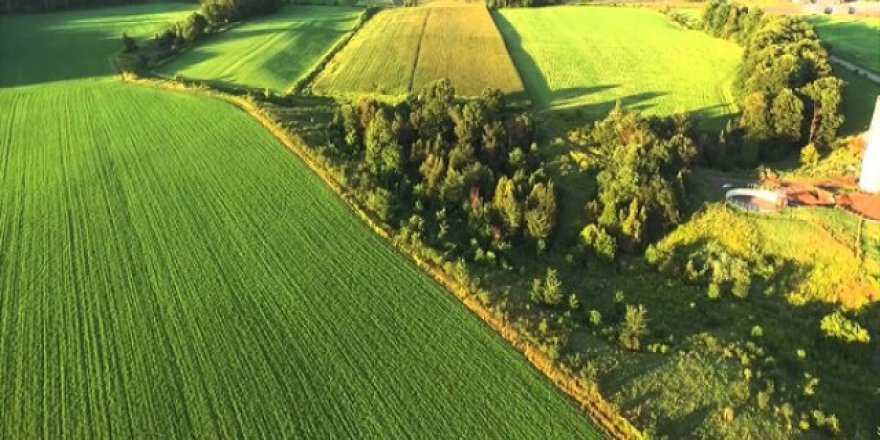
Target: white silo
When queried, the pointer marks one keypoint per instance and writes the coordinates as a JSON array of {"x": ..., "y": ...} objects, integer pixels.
[{"x": 870, "y": 180}]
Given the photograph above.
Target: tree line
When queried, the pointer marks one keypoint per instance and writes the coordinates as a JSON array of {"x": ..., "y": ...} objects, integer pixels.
[
  {"x": 784, "y": 85},
  {"x": 211, "y": 16}
]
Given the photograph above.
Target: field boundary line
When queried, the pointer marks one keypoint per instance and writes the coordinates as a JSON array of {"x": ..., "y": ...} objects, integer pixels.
[
  {"x": 307, "y": 80},
  {"x": 415, "y": 66},
  {"x": 585, "y": 394}
]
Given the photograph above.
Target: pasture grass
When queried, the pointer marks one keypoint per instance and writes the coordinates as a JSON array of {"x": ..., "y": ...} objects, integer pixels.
[
  {"x": 859, "y": 100},
  {"x": 168, "y": 270},
  {"x": 403, "y": 50},
  {"x": 37, "y": 48},
  {"x": 584, "y": 59},
  {"x": 267, "y": 53},
  {"x": 855, "y": 39}
]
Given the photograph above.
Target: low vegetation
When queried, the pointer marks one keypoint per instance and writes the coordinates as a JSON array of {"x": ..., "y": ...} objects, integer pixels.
[
  {"x": 268, "y": 53},
  {"x": 586, "y": 59},
  {"x": 403, "y": 50}
]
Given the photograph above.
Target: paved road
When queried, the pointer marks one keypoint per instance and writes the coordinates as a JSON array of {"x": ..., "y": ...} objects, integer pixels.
[{"x": 868, "y": 74}]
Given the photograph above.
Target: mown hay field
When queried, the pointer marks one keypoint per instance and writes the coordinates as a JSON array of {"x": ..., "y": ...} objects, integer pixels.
[
  {"x": 854, "y": 39},
  {"x": 267, "y": 53},
  {"x": 403, "y": 50},
  {"x": 587, "y": 58},
  {"x": 168, "y": 269}
]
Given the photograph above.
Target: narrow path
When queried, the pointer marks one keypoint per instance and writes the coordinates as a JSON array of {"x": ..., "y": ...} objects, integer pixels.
[{"x": 871, "y": 76}]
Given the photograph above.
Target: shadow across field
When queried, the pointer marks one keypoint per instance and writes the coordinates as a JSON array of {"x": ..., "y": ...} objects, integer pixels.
[{"x": 41, "y": 48}]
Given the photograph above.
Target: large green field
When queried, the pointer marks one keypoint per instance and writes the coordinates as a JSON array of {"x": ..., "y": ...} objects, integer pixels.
[
  {"x": 272, "y": 52},
  {"x": 167, "y": 269},
  {"x": 854, "y": 39},
  {"x": 403, "y": 50},
  {"x": 587, "y": 58}
]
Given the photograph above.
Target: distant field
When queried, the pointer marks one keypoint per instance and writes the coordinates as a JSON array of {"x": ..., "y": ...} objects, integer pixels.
[
  {"x": 854, "y": 39},
  {"x": 860, "y": 98},
  {"x": 52, "y": 47},
  {"x": 405, "y": 49},
  {"x": 272, "y": 52},
  {"x": 587, "y": 58},
  {"x": 168, "y": 270}
]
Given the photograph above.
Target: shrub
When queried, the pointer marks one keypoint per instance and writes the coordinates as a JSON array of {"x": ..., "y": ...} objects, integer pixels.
[
  {"x": 547, "y": 291},
  {"x": 838, "y": 326},
  {"x": 129, "y": 43},
  {"x": 380, "y": 203},
  {"x": 635, "y": 327},
  {"x": 596, "y": 239}
]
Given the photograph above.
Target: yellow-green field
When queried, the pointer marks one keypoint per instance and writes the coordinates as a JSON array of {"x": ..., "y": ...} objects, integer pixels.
[
  {"x": 271, "y": 52},
  {"x": 587, "y": 58},
  {"x": 403, "y": 50}
]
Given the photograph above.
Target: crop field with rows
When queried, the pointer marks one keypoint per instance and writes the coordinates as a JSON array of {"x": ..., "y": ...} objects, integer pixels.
[{"x": 403, "y": 50}]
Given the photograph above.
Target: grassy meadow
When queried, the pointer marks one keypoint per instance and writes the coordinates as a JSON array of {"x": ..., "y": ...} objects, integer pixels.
[
  {"x": 39, "y": 48},
  {"x": 859, "y": 99},
  {"x": 268, "y": 53},
  {"x": 168, "y": 269},
  {"x": 855, "y": 39},
  {"x": 586, "y": 59},
  {"x": 402, "y": 50}
]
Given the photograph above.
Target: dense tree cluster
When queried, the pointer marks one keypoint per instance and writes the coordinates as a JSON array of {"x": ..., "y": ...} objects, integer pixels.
[
  {"x": 642, "y": 165},
  {"x": 785, "y": 87},
  {"x": 464, "y": 174}
]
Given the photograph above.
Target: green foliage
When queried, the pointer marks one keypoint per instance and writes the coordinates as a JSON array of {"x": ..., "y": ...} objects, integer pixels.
[
  {"x": 642, "y": 170},
  {"x": 810, "y": 155},
  {"x": 427, "y": 151},
  {"x": 785, "y": 79},
  {"x": 838, "y": 326},
  {"x": 129, "y": 43},
  {"x": 547, "y": 291},
  {"x": 599, "y": 242},
  {"x": 634, "y": 327},
  {"x": 191, "y": 29},
  {"x": 380, "y": 203},
  {"x": 506, "y": 204},
  {"x": 540, "y": 213}
]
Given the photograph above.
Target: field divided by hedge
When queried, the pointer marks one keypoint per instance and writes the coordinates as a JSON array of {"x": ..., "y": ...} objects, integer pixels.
[
  {"x": 167, "y": 269},
  {"x": 267, "y": 53}
]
